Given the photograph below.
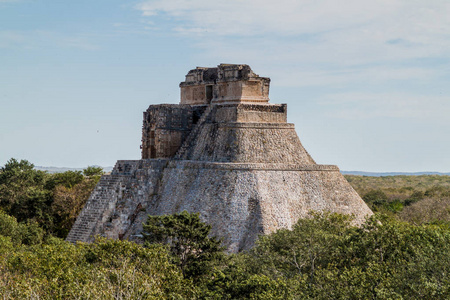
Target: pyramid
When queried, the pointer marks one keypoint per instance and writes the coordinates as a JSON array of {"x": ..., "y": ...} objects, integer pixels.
[{"x": 224, "y": 152}]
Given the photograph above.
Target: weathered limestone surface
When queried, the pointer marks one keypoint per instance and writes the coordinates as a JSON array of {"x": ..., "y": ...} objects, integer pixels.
[
  {"x": 118, "y": 199},
  {"x": 225, "y": 84},
  {"x": 242, "y": 201},
  {"x": 237, "y": 162}
]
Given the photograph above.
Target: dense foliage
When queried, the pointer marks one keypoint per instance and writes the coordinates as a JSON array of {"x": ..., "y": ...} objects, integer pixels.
[
  {"x": 322, "y": 257},
  {"x": 402, "y": 252},
  {"x": 49, "y": 201},
  {"x": 102, "y": 270},
  {"x": 326, "y": 258},
  {"x": 188, "y": 240}
]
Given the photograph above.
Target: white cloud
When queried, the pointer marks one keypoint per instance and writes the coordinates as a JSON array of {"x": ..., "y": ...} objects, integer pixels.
[
  {"x": 236, "y": 17},
  {"x": 325, "y": 39},
  {"x": 381, "y": 18}
]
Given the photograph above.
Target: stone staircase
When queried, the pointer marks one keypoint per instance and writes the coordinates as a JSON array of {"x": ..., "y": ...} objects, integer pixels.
[
  {"x": 98, "y": 207},
  {"x": 187, "y": 144}
]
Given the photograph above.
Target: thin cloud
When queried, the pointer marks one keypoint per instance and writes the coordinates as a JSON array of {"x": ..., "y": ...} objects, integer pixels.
[
  {"x": 295, "y": 17},
  {"x": 331, "y": 41},
  {"x": 252, "y": 17}
]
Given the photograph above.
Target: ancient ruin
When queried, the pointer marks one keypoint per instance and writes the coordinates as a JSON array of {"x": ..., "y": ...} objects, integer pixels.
[{"x": 225, "y": 152}]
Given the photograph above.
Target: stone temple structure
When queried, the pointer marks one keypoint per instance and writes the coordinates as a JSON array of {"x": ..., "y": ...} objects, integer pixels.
[{"x": 225, "y": 152}]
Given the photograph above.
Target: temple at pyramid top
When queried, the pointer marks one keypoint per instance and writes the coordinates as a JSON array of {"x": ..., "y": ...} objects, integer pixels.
[{"x": 227, "y": 83}]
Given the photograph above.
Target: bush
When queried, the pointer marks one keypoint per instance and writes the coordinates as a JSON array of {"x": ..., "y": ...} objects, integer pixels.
[
  {"x": 103, "y": 270},
  {"x": 375, "y": 197},
  {"x": 187, "y": 238},
  {"x": 28, "y": 233},
  {"x": 325, "y": 257}
]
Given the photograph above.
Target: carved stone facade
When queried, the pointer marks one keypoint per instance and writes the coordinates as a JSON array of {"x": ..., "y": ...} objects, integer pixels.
[
  {"x": 225, "y": 152},
  {"x": 224, "y": 84}
]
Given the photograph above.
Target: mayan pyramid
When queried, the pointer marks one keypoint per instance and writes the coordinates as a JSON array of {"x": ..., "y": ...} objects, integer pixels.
[{"x": 225, "y": 152}]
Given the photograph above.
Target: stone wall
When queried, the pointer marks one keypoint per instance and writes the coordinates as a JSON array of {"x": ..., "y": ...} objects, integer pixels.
[
  {"x": 165, "y": 127},
  {"x": 249, "y": 113},
  {"x": 118, "y": 200},
  {"x": 223, "y": 137}
]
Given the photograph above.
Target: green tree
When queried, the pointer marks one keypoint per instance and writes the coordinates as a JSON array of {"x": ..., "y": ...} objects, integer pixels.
[
  {"x": 312, "y": 243},
  {"x": 53, "y": 201},
  {"x": 67, "y": 204},
  {"x": 93, "y": 171},
  {"x": 9, "y": 226},
  {"x": 193, "y": 251},
  {"x": 235, "y": 281},
  {"x": 326, "y": 258},
  {"x": 375, "y": 197},
  {"x": 105, "y": 269},
  {"x": 28, "y": 232},
  {"x": 67, "y": 179},
  {"x": 19, "y": 184}
]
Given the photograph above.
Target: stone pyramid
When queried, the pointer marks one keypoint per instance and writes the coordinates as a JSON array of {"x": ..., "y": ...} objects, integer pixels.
[{"x": 225, "y": 152}]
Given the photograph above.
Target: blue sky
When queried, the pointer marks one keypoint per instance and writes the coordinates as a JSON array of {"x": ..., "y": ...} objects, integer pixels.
[{"x": 366, "y": 82}]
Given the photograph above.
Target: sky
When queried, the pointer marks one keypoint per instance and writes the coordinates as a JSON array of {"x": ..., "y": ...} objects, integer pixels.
[{"x": 366, "y": 82}]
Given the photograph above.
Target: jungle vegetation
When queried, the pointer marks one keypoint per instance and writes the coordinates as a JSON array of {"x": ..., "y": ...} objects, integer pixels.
[{"x": 402, "y": 252}]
